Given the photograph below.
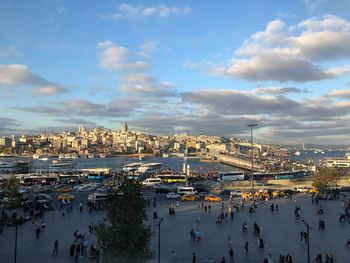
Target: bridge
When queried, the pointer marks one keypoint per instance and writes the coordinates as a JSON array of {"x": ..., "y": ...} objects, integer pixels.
[{"x": 239, "y": 163}]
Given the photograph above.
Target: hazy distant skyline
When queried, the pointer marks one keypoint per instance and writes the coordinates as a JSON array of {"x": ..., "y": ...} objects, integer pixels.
[{"x": 171, "y": 66}]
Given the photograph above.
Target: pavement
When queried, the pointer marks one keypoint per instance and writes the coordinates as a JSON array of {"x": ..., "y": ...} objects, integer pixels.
[{"x": 280, "y": 230}]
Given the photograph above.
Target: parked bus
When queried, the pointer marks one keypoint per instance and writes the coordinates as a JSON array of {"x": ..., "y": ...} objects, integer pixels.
[
  {"x": 172, "y": 178},
  {"x": 231, "y": 176}
]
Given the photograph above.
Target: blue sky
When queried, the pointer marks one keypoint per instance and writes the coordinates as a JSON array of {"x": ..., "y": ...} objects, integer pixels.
[{"x": 173, "y": 66}]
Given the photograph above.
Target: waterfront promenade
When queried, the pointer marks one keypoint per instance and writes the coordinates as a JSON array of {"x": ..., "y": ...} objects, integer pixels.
[{"x": 280, "y": 231}]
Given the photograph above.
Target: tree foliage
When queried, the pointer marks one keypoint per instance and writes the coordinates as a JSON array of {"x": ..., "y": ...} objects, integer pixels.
[
  {"x": 325, "y": 178},
  {"x": 124, "y": 237},
  {"x": 12, "y": 187}
]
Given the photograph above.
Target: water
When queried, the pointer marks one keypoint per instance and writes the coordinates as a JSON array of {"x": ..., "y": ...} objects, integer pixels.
[
  {"x": 306, "y": 155},
  {"x": 117, "y": 163},
  {"x": 175, "y": 163}
]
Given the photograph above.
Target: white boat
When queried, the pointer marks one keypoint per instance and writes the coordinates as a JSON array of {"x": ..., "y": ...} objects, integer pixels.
[
  {"x": 102, "y": 155},
  {"x": 63, "y": 163},
  {"x": 165, "y": 155},
  {"x": 149, "y": 168},
  {"x": 297, "y": 153},
  {"x": 41, "y": 157},
  {"x": 131, "y": 167}
]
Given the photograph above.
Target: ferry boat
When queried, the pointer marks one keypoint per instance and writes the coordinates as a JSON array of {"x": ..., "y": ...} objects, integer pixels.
[
  {"x": 149, "y": 168},
  {"x": 63, "y": 163},
  {"x": 131, "y": 167}
]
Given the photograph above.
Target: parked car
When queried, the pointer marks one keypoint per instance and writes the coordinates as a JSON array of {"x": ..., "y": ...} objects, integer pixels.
[
  {"x": 189, "y": 198},
  {"x": 42, "y": 197},
  {"x": 65, "y": 189},
  {"x": 66, "y": 197},
  {"x": 173, "y": 196},
  {"x": 212, "y": 198},
  {"x": 236, "y": 193}
]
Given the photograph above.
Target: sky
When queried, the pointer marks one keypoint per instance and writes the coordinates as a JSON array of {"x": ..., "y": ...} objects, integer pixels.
[{"x": 165, "y": 67}]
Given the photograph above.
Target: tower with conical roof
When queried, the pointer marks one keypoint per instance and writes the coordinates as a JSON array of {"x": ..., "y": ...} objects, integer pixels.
[{"x": 125, "y": 128}]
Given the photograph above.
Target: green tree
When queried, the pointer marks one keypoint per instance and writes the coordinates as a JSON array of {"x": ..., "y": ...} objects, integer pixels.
[
  {"x": 11, "y": 191},
  {"x": 124, "y": 237},
  {"x": 324, "y": 179}
]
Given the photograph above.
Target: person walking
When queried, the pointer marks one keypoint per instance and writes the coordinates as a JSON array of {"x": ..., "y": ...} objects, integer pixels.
[
  {"x": 174, "y": 258},
  {"x": 43, "y": 225},
  {"x": 55, "y": 247},
  {"x": 37, "y": 232},
  {"x": 72, "y": 250},
  {"x": 246, "y": 247},
  {"x": 230, "y": 252},
  {"x": 223, "y": 260}
]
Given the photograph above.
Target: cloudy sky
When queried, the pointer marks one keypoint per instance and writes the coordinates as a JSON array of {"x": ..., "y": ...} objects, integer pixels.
[{"x": 172, "y": 66}]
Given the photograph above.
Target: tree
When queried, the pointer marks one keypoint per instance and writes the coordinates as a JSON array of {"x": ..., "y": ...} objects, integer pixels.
[
  {"x": 11, "y": 191},
  {"x": 324, "y": 179},
  {"x": 124, "y": 237}
]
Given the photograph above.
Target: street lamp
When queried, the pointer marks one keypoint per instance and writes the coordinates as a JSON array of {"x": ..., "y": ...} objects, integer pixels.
[
  {"x": 14, "y": 218},
  {"x": 308, "y": 239},
  {"x": 158, "y": 225},
  {"x": 251, "y": 141}
]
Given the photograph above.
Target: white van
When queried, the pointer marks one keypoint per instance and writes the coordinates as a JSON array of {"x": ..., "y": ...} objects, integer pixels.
[
  {"x": 186, "y": 190},
  {"x": 152, "y": 181},
  {"x": 97, "y": 197}
]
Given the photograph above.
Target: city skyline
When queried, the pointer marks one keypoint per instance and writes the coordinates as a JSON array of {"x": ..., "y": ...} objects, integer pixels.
[{"x": 168, "y": 67}]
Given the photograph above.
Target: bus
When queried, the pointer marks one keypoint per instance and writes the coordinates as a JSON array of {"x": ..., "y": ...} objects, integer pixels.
[
  {"x": 231, "y": 176},
  {"x": 172, "y": 178}
]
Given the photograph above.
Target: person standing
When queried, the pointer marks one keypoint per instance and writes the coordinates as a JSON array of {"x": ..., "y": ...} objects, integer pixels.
[
  {"x": 193, "y": 257},
  {"x": 223, "y": 260},
  {"x": 55, "y": 247}
]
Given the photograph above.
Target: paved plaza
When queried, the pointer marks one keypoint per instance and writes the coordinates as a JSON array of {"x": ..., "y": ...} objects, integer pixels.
[{"x": 280, "y": 231}]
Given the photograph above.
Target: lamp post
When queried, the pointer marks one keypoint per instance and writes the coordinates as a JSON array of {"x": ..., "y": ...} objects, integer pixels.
[
  {"x": 14, "y": 218},
  {"x": 158, "y": 225},
  {"x": 308, "y": 239},
  {"x": 252, "y": 168}
]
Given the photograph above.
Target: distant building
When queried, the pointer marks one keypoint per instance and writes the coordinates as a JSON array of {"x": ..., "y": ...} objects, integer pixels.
[
  {"x": 6, "y": 142},
  {"x": 125, "y": 128},
  {"x": 82, "y": 129}
]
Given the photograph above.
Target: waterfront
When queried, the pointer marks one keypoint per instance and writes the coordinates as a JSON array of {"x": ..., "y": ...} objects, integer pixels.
[
  {"x": 175, "y": 163},
  {"x": 117, "y": 163}
]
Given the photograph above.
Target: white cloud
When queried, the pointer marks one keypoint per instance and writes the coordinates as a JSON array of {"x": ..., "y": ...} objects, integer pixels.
[
  {"x": 130, "y": 11},
  {"x": 119, "y": 58},
  {"x": 339, "y": 93},
  {"x": 49, "y": 89},
  {"x": 9, "y": 52},
  {"x": 17, "y": 75},
  {"x": 148, "y": 47},
  {"x": 277, "y": 90},
  {"x": 146, "y": 85},
  {"x": 292, "y": 53},
  {"x": 275, "y": 67}
]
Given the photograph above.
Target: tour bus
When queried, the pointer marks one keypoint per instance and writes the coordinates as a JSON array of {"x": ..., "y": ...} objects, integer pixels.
[
  {"x": 152, "y": 181},
  {"x": 186, "y": 190},
  {"x": 231, "y": 176}
]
